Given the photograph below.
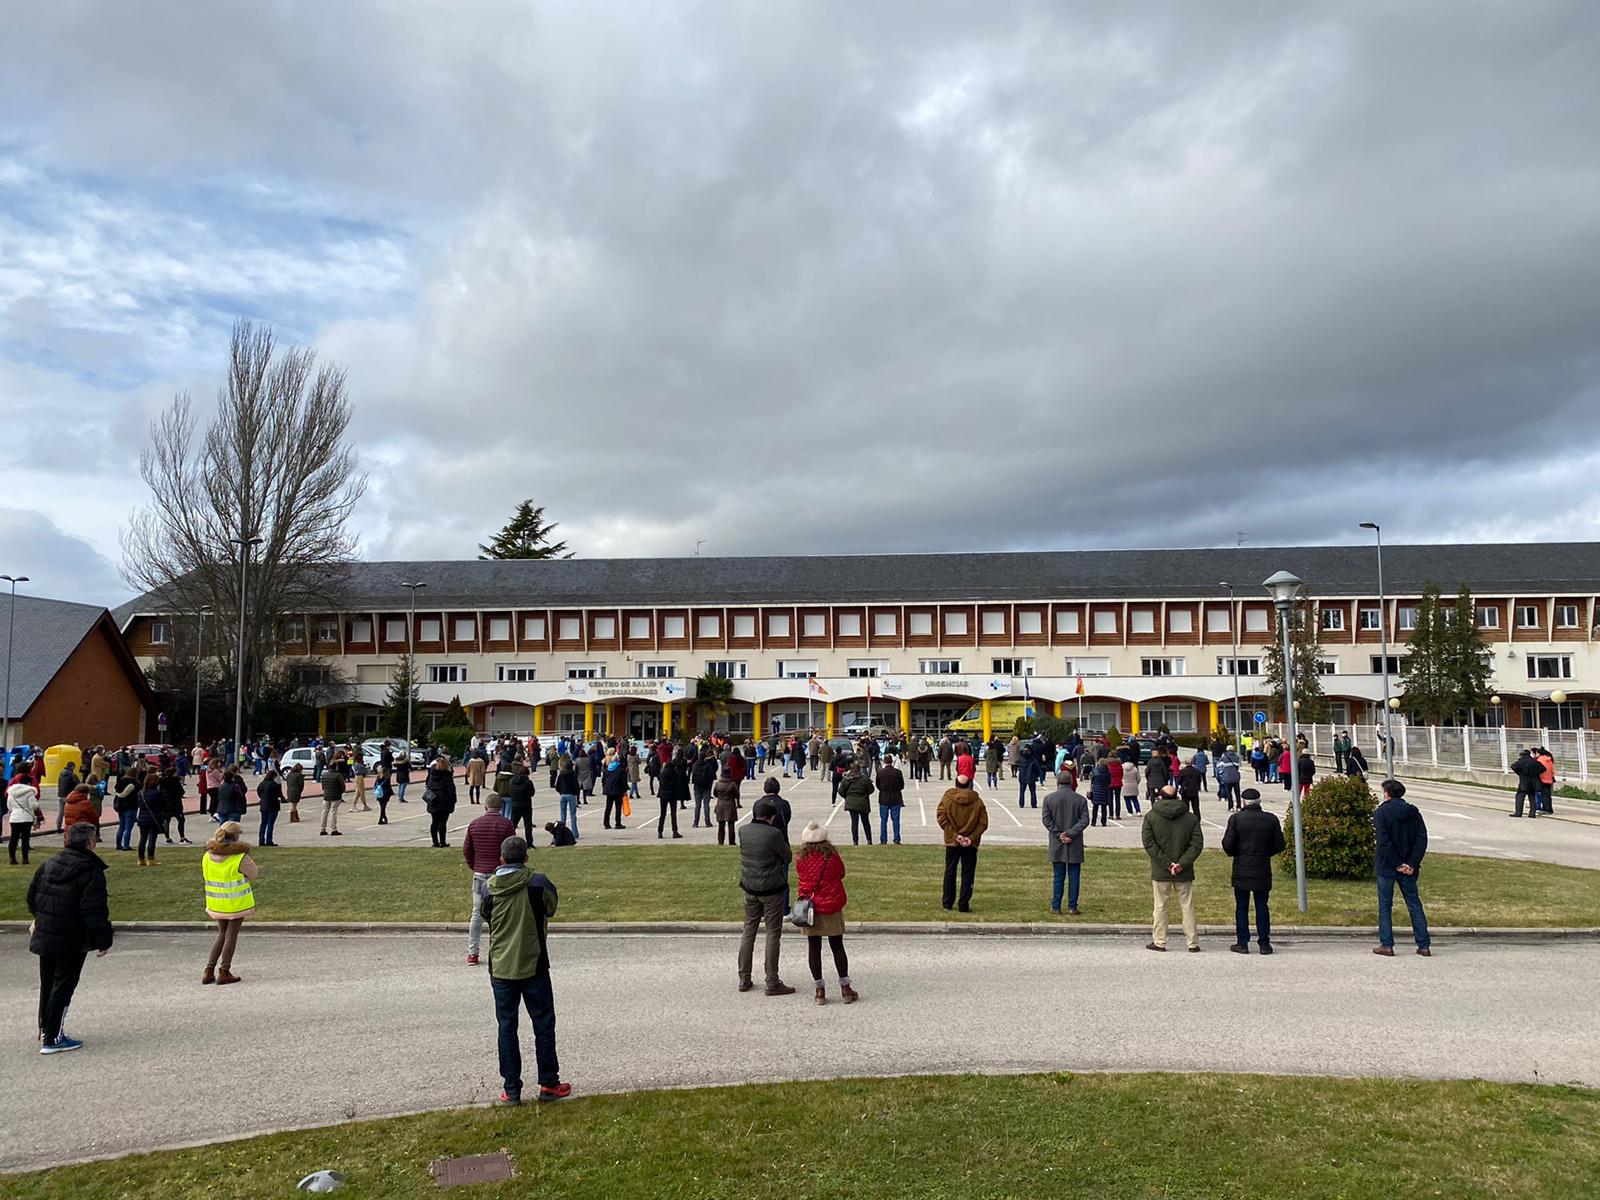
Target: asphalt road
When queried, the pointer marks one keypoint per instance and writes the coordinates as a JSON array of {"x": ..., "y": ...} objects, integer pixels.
[
  {"x": 1460, "y": 821},
  {"x": 327, "y": 1028}
]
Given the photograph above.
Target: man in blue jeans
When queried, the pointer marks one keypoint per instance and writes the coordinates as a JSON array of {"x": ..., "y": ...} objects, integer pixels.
[
  {"x": 1066, "y": 816},
  {"x": 1402, "y": 841},
  {"x": 518, "y": 909}
]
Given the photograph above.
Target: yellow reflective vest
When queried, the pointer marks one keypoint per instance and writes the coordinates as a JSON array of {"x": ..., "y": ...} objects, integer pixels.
[{"x": 227, "y": 890}]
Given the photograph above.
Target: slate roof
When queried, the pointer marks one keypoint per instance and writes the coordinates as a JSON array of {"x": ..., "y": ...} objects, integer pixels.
[
  {"x": 1507, "y": 569},
  {"x": 44, "y": 637}
]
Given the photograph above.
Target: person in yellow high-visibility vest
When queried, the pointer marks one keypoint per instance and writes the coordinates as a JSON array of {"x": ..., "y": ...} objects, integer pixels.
[{"x": 228, "y": 871}]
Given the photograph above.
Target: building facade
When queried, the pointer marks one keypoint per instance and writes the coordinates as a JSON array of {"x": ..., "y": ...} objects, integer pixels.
[
  {"x": 70, "y": 677},
  {"x": 1138, "y": 639}
]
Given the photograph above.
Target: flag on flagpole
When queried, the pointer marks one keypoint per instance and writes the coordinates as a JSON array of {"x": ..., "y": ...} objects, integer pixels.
[
  {"x": 815, "y": 686},
  {"x": 869, "y": 691},
  {"x": 1027, "y": 697},
  {"x": 1079, "y": 692}
]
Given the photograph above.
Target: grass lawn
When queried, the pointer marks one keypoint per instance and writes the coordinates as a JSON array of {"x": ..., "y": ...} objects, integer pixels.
[
  {"x": 893, "y": 883},
  {"x": 966, "y": 1137}
]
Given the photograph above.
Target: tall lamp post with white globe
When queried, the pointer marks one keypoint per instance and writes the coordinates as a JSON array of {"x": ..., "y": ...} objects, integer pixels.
[{"x": 1284, "y": 588}]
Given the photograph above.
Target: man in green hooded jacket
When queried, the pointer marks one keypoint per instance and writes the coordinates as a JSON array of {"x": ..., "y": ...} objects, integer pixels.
[
  {"x": 1172, "y": 839},
  {"x": 517, "y": 909}
]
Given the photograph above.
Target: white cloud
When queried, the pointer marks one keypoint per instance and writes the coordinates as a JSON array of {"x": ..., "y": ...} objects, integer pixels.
[{"x": 900, "y": 276}]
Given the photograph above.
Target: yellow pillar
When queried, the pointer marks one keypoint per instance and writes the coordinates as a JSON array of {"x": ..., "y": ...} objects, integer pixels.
[
  {"x": 588, "y": 720},
  {"x": 828, "y": 718},
  {"x": 611, "y": 719},
  {"x": 538, "y": 718},
  {"x": 755, "y": 719},
  {"x": 1135, "y": 720},
  {"x": 322, "y": 722},
  {"x": 905, "y": 716},
  {"x": 988, "y": 723},
  {"x": 666, "y": 719},
  {"x": 1055, "y": 709},
  {"x": 1214, "y": 721}
]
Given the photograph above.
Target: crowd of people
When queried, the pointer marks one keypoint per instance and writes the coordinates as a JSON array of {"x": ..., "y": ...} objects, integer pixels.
[{"x": 513, "y": 904}]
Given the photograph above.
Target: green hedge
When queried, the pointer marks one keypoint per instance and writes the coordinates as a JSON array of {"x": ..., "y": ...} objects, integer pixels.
[
  {"x": 454, "y": 739},
  {"x": 1340, "y": 840}
]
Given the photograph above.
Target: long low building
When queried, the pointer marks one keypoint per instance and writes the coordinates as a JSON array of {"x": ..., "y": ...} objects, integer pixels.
[{"x": 1134, "y": 638}]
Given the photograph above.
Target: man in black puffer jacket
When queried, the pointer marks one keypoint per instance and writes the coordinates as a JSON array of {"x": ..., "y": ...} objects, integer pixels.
[
  {"x": 1253, "y": 837},
  {"x": 71, "y": 916}
]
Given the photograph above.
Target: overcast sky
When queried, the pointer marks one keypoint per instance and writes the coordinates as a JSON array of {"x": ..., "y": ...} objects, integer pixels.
[{"x": 820, "y": 277}]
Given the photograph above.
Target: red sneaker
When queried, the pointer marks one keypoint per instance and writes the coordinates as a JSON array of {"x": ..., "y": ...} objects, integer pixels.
[
  {"x": 561, "y": 1091},
  {"x": 508, "y": 1101},
  {"x": 472, "y": 960}
]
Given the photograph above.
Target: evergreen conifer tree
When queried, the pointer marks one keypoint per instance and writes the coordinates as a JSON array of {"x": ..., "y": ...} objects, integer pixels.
[{"x": 526, "y": 535}]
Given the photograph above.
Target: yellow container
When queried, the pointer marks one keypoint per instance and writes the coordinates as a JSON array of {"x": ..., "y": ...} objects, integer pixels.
[{"x": 58, "y": 757}]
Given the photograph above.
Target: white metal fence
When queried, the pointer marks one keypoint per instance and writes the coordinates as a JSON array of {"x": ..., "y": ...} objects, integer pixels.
[{"x": 1453, "y": 748}]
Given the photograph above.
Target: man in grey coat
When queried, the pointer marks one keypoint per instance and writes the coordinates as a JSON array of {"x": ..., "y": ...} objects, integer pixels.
[
  {"x": 764, "y": 856},
  {"x": 1066, "y": 816}
]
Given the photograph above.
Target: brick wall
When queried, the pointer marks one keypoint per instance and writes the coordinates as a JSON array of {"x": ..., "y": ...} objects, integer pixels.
[{"x": 90, "y": 701}]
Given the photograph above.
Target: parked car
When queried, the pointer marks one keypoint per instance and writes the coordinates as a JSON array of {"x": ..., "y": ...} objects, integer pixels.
[
  {"x": 372, "y": 748},
  {"x": 151, "y": 752}
]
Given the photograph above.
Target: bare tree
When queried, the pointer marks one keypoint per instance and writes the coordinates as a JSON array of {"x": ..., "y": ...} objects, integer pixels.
[{"x": 273, "y": 463}]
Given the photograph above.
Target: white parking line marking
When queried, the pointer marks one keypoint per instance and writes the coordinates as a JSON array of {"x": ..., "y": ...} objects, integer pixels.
[{"x": 1002, "y": 807}]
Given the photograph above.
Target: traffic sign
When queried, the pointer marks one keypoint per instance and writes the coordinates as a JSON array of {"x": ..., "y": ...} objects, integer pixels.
[{"x": 1261, "y": 717}]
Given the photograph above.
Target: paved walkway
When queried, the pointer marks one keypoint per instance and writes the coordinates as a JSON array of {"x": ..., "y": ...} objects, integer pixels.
[{"x": 325, "y": 1028}]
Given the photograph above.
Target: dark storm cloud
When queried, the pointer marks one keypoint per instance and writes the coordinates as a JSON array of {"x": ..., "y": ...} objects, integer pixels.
[{"x": 839, "y": 277}]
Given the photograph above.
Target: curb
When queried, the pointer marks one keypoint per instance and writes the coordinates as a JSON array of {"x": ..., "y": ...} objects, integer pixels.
[{"x": 872, "y": 928}]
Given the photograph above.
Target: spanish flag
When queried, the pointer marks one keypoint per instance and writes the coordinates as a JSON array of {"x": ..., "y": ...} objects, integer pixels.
[{"x": 1079, "y": 692}]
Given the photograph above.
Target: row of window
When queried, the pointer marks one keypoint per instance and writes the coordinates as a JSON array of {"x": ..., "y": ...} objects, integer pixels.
[
  {"x": 1539, "y": 666},
  {"x": 920, "y": 624}
]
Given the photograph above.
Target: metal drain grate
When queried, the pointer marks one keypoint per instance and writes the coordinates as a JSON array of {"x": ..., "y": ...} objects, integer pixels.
[{"x": 475, "y": 1168}]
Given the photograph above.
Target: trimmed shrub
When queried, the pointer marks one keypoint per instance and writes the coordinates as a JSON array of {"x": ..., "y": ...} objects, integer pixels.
[
  {"x": 454, "y": 739},
  {"x": 1114, "y": 737},
  {"x": 1337, "y": 818}
]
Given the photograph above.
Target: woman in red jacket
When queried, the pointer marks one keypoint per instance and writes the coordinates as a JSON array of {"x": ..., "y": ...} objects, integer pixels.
[{"x": 820, "y": 871}]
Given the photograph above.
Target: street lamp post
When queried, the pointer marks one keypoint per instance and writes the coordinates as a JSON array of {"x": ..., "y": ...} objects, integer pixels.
[
  {"x": 1383, "y": 648},
  {"x": 1499, "y": 717},
  {"x": 1233, "y": 624},
  {"x": 199, "y": 667},
  {"x": 411, "y": 658},
  {"x": 1283, "y": 588},
  {"x": 11, "y": 625},
  {"x": 244, "y": 544}
]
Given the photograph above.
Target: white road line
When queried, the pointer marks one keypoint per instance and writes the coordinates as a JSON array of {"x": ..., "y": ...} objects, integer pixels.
[
  {"x": 924, "y": 809},
  {"x": 1457, "y": 816},
  {"x": 1001, "y": 806},
  {"x": 836, "y": 810}
]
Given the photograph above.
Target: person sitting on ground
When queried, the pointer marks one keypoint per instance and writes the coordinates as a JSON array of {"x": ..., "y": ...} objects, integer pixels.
[{"x": 560, "y": 835}]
